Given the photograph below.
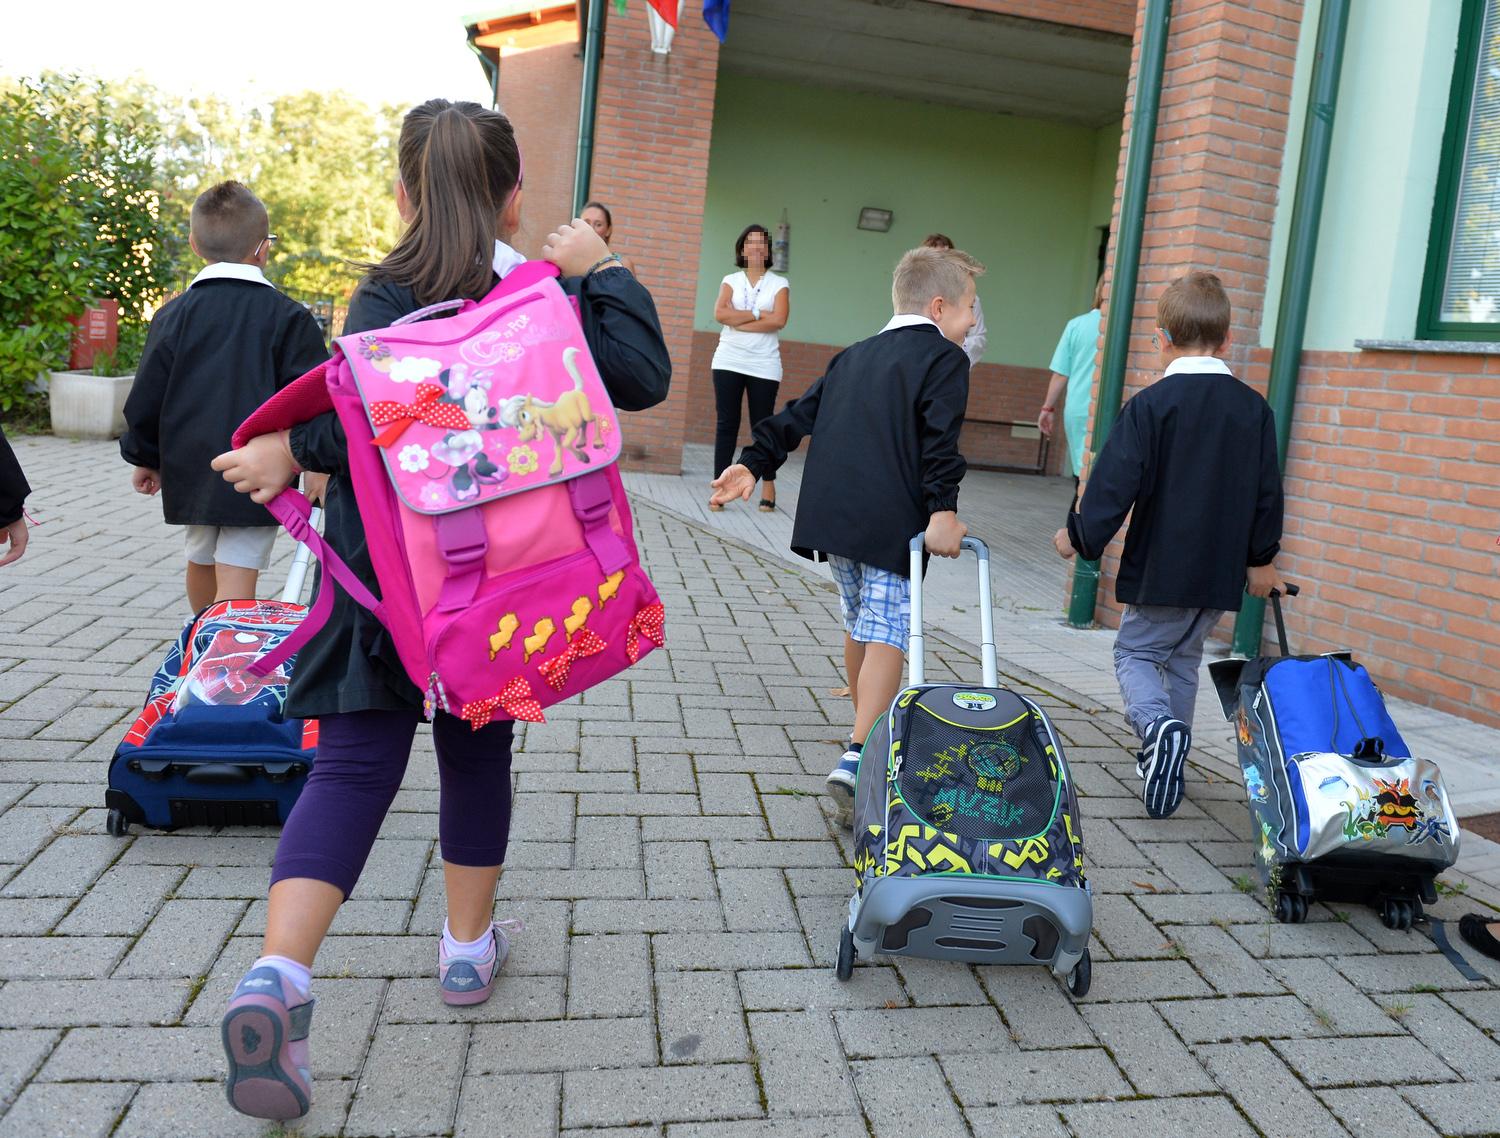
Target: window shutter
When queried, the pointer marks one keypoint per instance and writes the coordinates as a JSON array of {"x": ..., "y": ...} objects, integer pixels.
[{"x": 1471, "y": 283}]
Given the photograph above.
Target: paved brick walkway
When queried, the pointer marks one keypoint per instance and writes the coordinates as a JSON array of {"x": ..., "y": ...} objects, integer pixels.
[{"x": 682, "y": 890}]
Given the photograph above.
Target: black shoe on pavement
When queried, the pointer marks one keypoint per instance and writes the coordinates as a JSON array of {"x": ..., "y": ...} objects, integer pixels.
[{"x": 1161, "y": 764}]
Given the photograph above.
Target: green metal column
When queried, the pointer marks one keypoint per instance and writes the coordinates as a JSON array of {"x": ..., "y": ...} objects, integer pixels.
[
  {"x": 1302, "y": 247},
  {"x": 1127, "y": 266},
  {"x": 593, "y": 46}
]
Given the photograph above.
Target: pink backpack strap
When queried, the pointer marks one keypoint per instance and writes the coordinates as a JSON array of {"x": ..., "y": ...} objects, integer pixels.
[
  {"x": 592, "y": 498},
  {"x": 293, "y": 511},
  {"x": 306, "y": 397},
  {"x": 523, "y": 276}
]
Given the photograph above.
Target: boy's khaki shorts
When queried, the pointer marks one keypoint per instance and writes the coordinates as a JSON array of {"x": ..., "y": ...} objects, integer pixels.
[{"x": 245, "y": 547}]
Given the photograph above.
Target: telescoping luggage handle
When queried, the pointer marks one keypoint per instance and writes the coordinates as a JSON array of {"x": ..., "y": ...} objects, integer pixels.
[
  {"x": 1291, "y": 591},
  {"x": 915, "y": 661}
]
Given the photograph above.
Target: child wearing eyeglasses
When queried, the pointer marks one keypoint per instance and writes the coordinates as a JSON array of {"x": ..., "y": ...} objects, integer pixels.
[{"x": 212, "y": 356}]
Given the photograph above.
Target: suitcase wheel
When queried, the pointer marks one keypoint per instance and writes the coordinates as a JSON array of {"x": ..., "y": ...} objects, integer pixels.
[
  {"x": 1291, "y": 908},
  {"x": 1082, "y": 976},
  {"x": 116, "y": 825},
  {"x": 1399, "y": 912},
  {"x": 845, "y": 966}
]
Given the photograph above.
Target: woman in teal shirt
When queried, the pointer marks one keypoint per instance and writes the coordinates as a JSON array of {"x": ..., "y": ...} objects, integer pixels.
[{"x": 1073, "y": 365}]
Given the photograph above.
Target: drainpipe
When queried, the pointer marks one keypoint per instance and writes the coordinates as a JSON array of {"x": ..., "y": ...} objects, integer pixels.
[
  {"x": 1127, "y": 266},
  {"x": 593, "y": 44},
  {"x": 1302, "y": 246},
  {"x": 491, "y": 66}
]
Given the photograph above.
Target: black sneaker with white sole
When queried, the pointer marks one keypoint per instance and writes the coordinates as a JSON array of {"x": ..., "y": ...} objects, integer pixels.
[{"x": 1161, "y": 764}]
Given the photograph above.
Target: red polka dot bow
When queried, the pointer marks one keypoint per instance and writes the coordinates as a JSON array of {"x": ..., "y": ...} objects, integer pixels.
[
  {"x": 515, "y": 699},
  {"x": 585, "y": 643},
  {"x": 424, "y": 408},
  {"x": 650, "y": 622}
]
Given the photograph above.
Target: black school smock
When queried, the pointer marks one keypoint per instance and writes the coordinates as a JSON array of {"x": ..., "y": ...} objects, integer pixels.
[
  {"x": 884, "y": 420},
  {"x": 352, "y": 663},
  {"x": 1194, "y": 455},
  {"x": 212, "y": 356},
  {"x": 13, "y": 485}
]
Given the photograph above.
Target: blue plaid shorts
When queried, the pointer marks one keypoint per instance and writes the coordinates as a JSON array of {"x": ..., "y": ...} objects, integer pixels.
[{"x": 876, "y": 602}]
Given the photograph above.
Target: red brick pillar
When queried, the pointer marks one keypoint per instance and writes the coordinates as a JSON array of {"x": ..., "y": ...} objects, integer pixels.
[
  {"x": 655, "y": 118},
  {"x": 1216, "y": 173},
  {"x": 539, "y": 90}
]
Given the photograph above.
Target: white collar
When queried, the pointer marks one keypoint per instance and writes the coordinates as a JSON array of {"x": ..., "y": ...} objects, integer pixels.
[
  {"x": 1197, "y": 365},
  {"x": 506, "y": 259},
  {"x": 231, "y": 271},
  {"x": 907, "y": 320}
]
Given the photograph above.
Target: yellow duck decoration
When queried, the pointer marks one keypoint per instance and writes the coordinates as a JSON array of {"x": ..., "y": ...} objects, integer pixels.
[
  {"x": 539, "y": 637},
  {"x": 500, "y": 639}
]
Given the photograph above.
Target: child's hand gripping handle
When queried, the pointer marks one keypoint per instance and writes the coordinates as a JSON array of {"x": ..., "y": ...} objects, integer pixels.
[{"x": 916, "y": 664}]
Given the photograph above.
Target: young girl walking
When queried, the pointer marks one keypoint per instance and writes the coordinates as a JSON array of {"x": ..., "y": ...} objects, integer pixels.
[{"x": 460, "y": 194}]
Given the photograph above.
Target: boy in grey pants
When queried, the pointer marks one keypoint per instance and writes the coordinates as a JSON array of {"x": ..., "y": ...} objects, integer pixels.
[{"x": 1194, "y": 456}]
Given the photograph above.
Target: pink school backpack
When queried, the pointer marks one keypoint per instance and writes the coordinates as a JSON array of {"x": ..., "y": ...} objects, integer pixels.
[{"x": 482, "y": 450}]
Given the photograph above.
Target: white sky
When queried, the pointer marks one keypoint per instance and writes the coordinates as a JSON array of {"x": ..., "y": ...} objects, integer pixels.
[{"x": 398, "y": 51}]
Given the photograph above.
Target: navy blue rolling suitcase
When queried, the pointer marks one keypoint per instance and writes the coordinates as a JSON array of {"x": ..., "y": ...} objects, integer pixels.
[{"x": 211, "y": 746}]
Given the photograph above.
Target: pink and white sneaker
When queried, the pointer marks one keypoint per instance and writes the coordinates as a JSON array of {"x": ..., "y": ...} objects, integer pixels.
[
  {"x": 265, "y": 1041},
  {"x": 470, "y": 979}
]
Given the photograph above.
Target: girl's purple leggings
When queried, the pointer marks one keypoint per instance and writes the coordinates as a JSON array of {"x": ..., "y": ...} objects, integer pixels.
[{"x": 361, "y": 760}]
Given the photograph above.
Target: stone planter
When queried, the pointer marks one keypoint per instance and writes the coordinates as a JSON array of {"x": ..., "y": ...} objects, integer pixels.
[{"x": 86, "y": 406}]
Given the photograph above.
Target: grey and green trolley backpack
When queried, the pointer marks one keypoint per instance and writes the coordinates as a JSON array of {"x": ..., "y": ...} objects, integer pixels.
[{"x": 967, "y": 843}]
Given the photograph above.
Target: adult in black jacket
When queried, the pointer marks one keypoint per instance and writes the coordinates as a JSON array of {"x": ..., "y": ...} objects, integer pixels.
[
  {"x": 13, "y": 491},
  {"x": 1194, "y": 456},
  {"x": 883, "y": 465}
]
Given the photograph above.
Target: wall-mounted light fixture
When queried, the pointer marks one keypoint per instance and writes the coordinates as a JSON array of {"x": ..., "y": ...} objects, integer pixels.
[{"x": 875, "y": 220}]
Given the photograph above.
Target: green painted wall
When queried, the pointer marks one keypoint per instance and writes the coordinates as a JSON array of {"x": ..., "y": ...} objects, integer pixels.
[
  {"x": 1024, "y": 196},
  {"x": 1377, "y": 208}
]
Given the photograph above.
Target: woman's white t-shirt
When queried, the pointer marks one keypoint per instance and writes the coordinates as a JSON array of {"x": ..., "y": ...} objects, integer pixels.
[{"x": 751, "y": 353}]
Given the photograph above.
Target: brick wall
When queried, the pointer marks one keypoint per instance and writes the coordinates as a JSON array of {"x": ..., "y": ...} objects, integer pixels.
[
  {"x": 1226, "y": 92},
  {"x": 651, "y": 168},
  {"x": 996, "y": 391},
  {"x": 539, "y": 91},
  {"x": 1116, "y": 16},
  {"x": 1391, "y": 527}
]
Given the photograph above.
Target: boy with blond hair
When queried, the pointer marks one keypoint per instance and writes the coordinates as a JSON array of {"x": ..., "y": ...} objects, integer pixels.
[
  {"x": 213, "y": 355},
  {"x": 883, "y": 465},
  {"x": 1194, "y": 455}
]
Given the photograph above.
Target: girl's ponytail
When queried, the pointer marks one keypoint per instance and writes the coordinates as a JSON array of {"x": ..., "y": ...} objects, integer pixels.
[{"x": 460, "y": 165}]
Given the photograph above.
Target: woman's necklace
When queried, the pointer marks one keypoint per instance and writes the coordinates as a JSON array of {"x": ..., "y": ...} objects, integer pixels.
[{"x": 752, "y": 299}]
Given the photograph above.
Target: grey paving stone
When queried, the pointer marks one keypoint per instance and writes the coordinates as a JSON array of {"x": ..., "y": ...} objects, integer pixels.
[
  {"x": 659, "y": 1094},
  {"x": 1125, "y": 930},
  {"x": 31, "y": 916},
  {"x": 1322, "y": 938},
  {"x": 21, "y": 1053},
  {"x": 151, "y": 848},
  {"x": 77, "y": 1110},
  {"x": 769, "y": 1128},
  {"x": 1349, "y": 1010},
  {"x": 679, "y": 871},
  {"x": 607, "y": 842},
  {"x": 395, "y": 868},
  {"x": 24, "y": 830},
  {"x": 199, "y": 1108},
  {"x": 1373, "y": 1061},
  {"x": 1187, "y": 867},
  {"x": 1123, "y": 980},
  {"x": 609, "y": 976},
  {"x": 937, "y": 983},
  {"x": 729, "y": 951},
  {"x": 354, "y": 918},
  {"x": 1448, "y": 1035},
  {"x": 1482, "y": 1008},
  {"x": 66, "y": 868},
  {"x": 590, "y": 916},
  {"x": 376, "y": 956},
  {"x": 228, "y": 881},
  {"x": 1034, "y": 1076},
  {"x": 396, "y": 1096},
  {"x": 639, "y": 805},
  {"x": 183, "y": 939},
  {"x": 1272, "y": 1097},
  {"x": 1391, "y": 973},
  {"x": 1467, "y": 1108},
  {"x": 728, "y": 794},
  {"x": 792, "y": 989},
  {"x": 696, "y": 829},
  {"x": 1201, "y": 908},
  {"x": 792, "y": 817},
  {"x": 1223, "y": 961},
  {"x": 87, "y": 1003},
  {"x": 755, "y": 900},
  {"x": 1039, "y": 1012},
  {"x": 568, "y": 884},
  {"x": 515, "y": 998},
  {"x": 802, "y": 1069},
  {"x": 756, "y": 855},
  {"x": 525, "y": 1106},
  {"x": 1152, "y": 1057},
  {"x": 147, "y": 1054},
  {"x": 561, "y": 1045},
  {"x": 1244, "y": 1017},
  {"x": 1213, "y": 1115},
  {"x": 700, "y": 1018},
  {"x": 895, "y": 1032},
  {"x": 905, "y": 1097},
  {"x": 1376, "y": 1112},
  {"x": 55, "y": 958},
  {"x": 1016, "y": 1122}
]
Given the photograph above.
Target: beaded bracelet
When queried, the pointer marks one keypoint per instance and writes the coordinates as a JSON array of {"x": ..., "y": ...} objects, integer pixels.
[{"x": 599, "y": 264}]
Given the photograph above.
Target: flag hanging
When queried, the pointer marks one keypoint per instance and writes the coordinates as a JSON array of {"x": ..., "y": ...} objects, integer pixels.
[
  {"x": 667, "y": 10},
  {"x": 716, "y": 16}
]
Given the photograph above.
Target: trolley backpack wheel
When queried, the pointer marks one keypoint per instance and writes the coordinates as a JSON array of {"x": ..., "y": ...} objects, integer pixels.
[
  {"x": 845, "y": 966},
  {"x": 1082, "y": 976},
  {"x": 116, "y": 825}
]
